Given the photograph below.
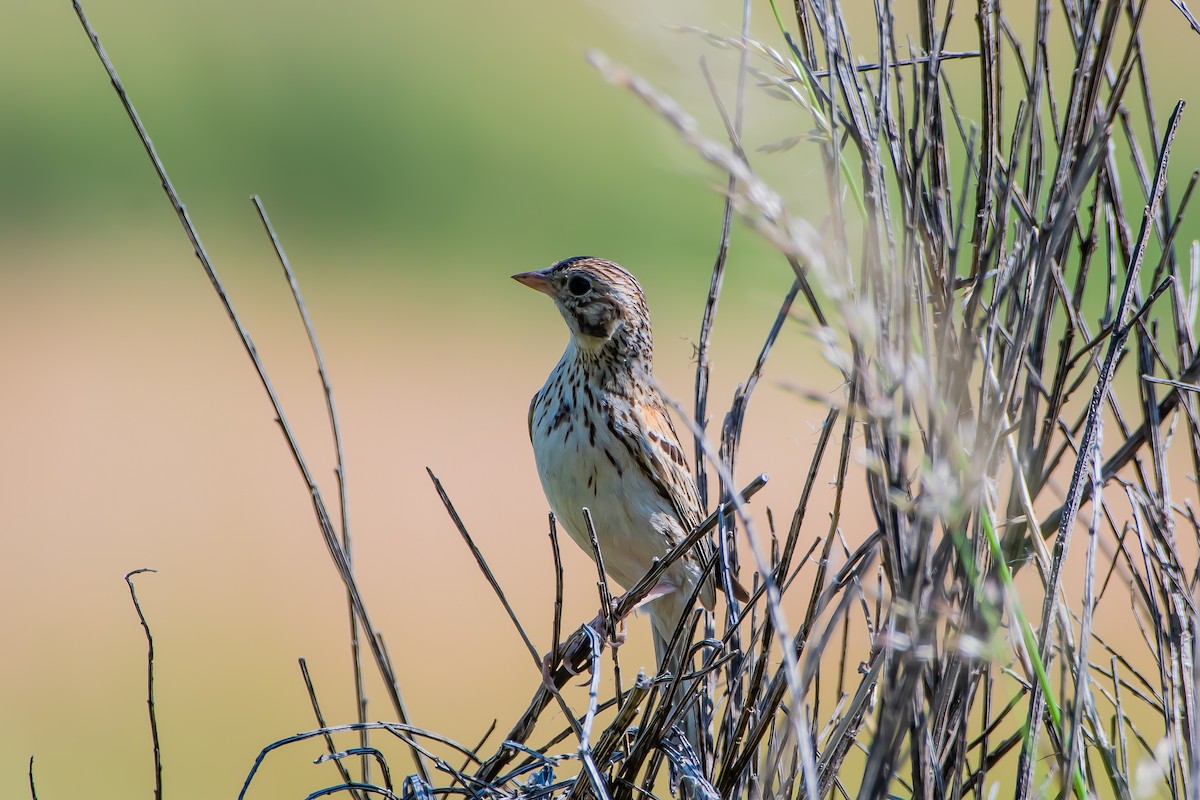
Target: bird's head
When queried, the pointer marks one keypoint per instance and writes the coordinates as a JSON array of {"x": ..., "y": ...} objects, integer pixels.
[{"x": 603, "y": 304}]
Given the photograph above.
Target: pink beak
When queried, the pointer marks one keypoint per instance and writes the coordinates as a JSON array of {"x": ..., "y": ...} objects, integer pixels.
[{"x": 536, "y": 280}]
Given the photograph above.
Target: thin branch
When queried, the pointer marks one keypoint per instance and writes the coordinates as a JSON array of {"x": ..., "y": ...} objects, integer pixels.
[
  {"x": 158, "y": 792},
  {"x": 339, "y": 469}
]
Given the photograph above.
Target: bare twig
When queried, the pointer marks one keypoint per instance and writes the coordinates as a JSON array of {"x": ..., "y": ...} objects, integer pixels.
[
  {"x": 158, "y": 791},
  {"x": 329, "y": 745},
  {"x": 339, "y": 470}
]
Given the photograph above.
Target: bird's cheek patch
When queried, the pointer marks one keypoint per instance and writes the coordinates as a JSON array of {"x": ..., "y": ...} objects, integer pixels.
[{"x": 596, "y": 319}]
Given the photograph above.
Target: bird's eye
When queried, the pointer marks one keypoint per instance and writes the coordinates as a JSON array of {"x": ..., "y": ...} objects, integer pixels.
[{"x": 578, "y": 285}]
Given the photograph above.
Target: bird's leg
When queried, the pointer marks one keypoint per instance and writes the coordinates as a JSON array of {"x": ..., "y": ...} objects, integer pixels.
[
  {"x": 614, "y": 638},
  {"x": 617, "y": 638},
  {"x": 661, "y": 589}
]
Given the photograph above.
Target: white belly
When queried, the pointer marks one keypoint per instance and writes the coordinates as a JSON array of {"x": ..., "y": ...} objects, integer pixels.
[{"x": 634, "y": 523}]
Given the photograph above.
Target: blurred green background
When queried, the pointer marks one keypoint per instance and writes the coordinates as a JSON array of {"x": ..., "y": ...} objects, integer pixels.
[
  {"x": 391, "y": 128},
  {"x": 412, "y": 157}
]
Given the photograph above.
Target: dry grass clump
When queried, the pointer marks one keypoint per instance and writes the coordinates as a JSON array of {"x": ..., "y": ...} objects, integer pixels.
[{"x": 1017, "y": 341}]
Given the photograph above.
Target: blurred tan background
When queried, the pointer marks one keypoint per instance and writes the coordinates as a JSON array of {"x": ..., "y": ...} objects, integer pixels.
[{"x": 412, "y": 157}]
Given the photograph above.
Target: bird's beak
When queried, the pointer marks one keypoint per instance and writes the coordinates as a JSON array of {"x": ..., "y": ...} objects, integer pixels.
[{"x": 536, "y": 280}]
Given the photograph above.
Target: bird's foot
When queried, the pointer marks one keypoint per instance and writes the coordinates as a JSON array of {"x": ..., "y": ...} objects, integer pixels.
[
  {"x": 549, "y": 662},
  {"x": 577, "y": 652},
  {"x": 616, "y": 637}
]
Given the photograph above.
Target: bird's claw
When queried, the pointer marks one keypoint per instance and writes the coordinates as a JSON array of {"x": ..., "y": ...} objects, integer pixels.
[
  {"x": 567, "y": 658},
  {"x": 550, "y": 663},
  {"x": 563, "y": 659},
  {"x": 615, "y": 638}
]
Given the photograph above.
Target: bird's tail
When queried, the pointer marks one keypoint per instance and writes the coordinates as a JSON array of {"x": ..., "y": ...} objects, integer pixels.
[{"x": 666, "y": 614}]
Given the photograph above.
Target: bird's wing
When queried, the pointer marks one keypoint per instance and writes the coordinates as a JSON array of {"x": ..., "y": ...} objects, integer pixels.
[{"x": 663, "y": 460}]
